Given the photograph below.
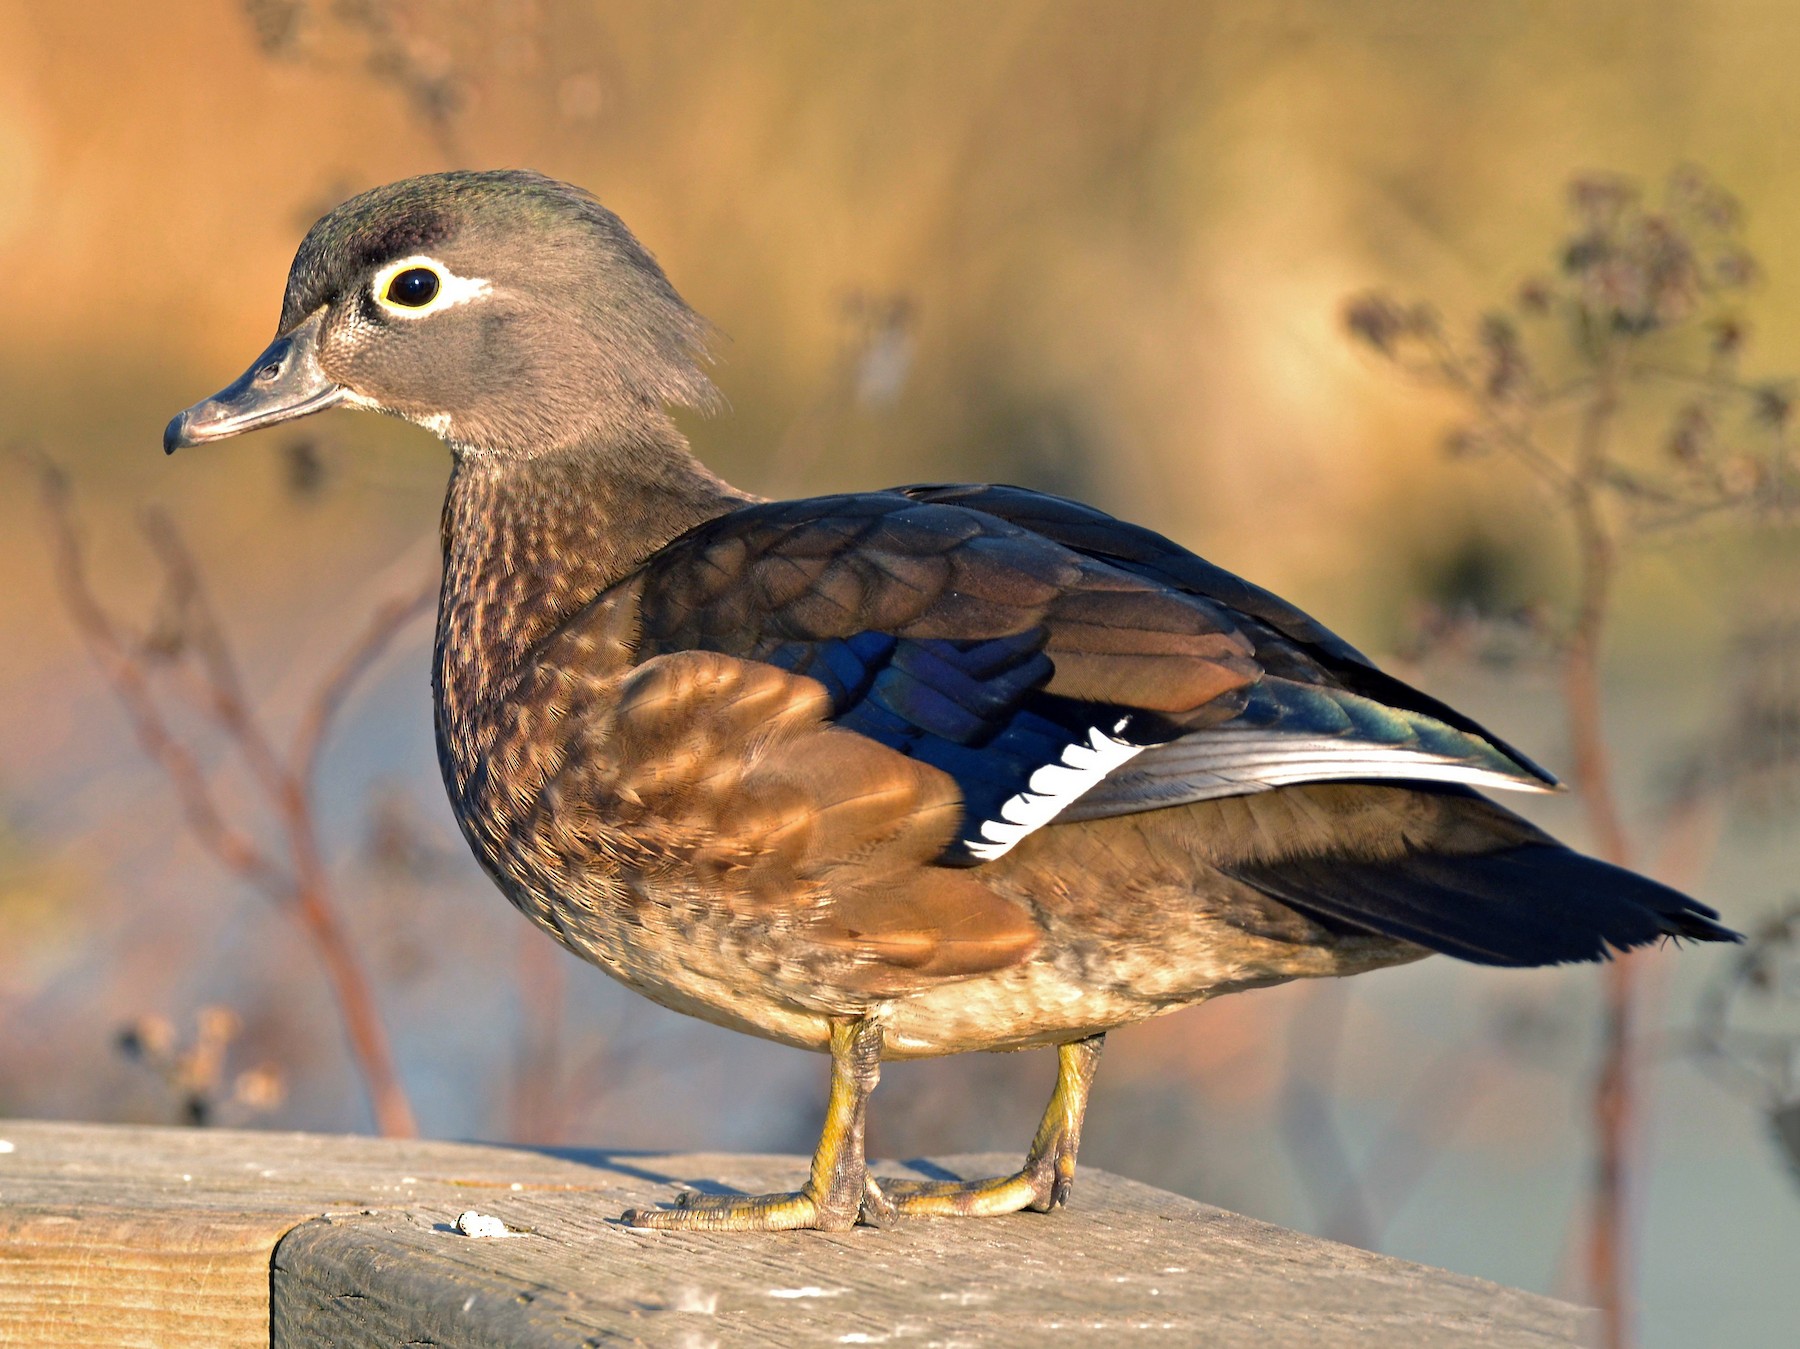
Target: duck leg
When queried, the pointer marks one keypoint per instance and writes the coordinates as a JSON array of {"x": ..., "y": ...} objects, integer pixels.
[
  {"x": 833, "y": 1197},
  {"x": 1048, "y": 1175}
]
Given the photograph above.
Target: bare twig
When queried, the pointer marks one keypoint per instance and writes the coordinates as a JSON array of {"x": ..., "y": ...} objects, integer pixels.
[
  {"x": 537, "y": 1102},
  {"x": 297, "y": 882},
  {"x": 1613, "y": 1097},
  {"x": 387, "y": 622},
  {"x": 1418, "y": 1130},
  {"x": 409, "y": 53},
  {"x": 1627, "y": 272},
  {"x": 126, "y": 674},
  {"x": 553, "y": 1089},
  {"x": 221, "y": 686}
]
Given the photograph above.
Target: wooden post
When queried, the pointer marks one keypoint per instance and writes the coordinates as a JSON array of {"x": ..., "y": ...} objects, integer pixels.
[{"x": 127, "y": 1236}]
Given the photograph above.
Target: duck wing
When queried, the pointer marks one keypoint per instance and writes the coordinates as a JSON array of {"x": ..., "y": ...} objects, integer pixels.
[
  {"x": 1404, "y": 847},
  {"x": 932, "y": 684},
  {"x": 1049, "y": 681},
  {"x": 1322, "y": 712},
  {"x": 718, "y": 790}
]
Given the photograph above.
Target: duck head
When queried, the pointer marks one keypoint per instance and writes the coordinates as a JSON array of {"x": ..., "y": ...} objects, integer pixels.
[{"x": 507, "y": 312}]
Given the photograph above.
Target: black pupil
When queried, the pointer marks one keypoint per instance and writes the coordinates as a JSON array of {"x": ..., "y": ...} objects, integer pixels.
[{"x": 414, "y": 288}]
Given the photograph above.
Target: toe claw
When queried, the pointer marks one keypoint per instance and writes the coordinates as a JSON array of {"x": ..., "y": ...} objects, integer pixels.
[
  {"x": 892, "y": 1187},
  {"x": 877, "y": 1209}
]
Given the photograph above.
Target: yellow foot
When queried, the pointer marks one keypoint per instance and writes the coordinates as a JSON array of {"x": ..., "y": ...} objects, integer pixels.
[
  {"x": 838, "y": 1194},
  {"x": 738, "y": 1213},
  {"x": 1048, "y": 1175},
  {"x": 1043, "y": 1185},
  {"x": 761, "y": 1213}
]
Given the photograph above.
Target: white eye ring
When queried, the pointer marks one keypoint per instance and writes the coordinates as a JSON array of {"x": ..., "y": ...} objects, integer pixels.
[{"x": 451, "y": 288}]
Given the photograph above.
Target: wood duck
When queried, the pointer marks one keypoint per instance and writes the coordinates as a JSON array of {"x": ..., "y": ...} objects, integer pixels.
[{"x": 888, "y": 774}]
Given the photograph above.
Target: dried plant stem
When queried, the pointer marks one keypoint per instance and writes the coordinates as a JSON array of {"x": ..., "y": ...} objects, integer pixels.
[
  {"x": 299, "y": 884},
  {"x": 1629, "y": 270},
  {"x": 538, "y": 1111},
  {"x": 1613, "y": 1103},
  {"x": 362, "y": 1018}
]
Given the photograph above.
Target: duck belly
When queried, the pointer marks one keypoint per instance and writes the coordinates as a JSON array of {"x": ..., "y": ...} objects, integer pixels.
[{"x": 1089, "y": 975}]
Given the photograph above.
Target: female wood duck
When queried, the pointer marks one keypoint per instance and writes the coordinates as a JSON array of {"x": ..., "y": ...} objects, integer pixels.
[{"x": 890, "y": 774}]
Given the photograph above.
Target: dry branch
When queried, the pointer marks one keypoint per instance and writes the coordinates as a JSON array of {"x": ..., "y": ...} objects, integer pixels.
[
  {"x": 1634, "y": 283},
  {"x": 291, "y": 873}
]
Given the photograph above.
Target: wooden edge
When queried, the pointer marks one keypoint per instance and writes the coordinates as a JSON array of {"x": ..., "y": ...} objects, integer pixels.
[
  {"x": 122, "y": 1236},
  {"x": 103, "y": 1276},
  {"x": 1127, "y": 1264}
]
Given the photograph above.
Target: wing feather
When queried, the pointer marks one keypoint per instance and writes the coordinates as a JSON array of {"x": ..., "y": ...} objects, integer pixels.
[
  {"x": 725, "y": 777},
  {"x": 995, "y": 633}
]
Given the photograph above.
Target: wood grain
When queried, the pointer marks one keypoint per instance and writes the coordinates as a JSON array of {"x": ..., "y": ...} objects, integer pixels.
[{"x": 128, "y": 1236}]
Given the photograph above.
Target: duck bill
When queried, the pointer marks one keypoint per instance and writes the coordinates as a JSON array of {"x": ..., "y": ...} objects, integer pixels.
[{"x": 283, "y": 383}]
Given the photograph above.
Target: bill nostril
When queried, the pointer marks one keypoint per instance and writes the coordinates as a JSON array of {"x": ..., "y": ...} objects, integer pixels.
[{"x": 268, "y": 373}]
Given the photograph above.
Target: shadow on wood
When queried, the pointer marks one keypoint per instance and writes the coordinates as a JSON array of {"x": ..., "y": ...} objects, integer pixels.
[{"x": 131, "y": 1236}]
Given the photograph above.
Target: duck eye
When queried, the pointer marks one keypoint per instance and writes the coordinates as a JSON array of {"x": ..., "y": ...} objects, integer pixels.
[
  {"x": 414, "y": 288},
  {"x": 418, "y": 286}
]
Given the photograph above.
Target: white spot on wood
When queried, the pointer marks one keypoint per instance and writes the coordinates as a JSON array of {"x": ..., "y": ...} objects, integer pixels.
[
  {"x": 473, "y": 1224},
  {"x": 1052, "y": 788},
  {"x": 968, "y": 1297},
  {"x": 811, "y": 1290},
  {"x": 693, "y": 1300},
  {"x": 5, "y": 1145}
]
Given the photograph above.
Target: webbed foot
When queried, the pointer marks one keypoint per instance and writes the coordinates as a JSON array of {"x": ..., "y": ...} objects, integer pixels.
[
  {"x": 743, "y": 1213},
  {"x": 1044, "y": 1182},
  {"x": 839, "y": 1192}
]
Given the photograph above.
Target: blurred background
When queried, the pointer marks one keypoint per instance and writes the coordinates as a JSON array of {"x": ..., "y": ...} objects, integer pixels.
[{"x": 1219, "y": 268}]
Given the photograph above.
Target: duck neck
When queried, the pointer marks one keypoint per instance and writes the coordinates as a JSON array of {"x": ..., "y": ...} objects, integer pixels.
[{"x": 528, "y": 540}]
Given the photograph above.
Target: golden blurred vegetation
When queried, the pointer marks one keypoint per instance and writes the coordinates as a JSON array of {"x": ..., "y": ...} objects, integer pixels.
[{"x": 1099, "y": 249}]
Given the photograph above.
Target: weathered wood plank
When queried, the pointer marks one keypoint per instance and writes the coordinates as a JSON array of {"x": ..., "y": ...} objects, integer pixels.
[
  {"x": 143, "y": 1236},
  {"x": 1128, "y": 1263},
  {"x": 131, "y": 1236},
  {"x": 103, "y": 1276}
]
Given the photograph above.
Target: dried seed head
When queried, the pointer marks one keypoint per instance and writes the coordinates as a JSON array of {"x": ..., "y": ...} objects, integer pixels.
[
  {"x": 1375, "y": 320},
  {"x": 1601, "y": 198},
  {"x": 1535, "y": 295},
  {"x": 1508, "y": 371},
  {"x": 260, "y": 1089},
  {"x": 1690, "y": 436},
  {"x": 1773, "y": 404}
]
